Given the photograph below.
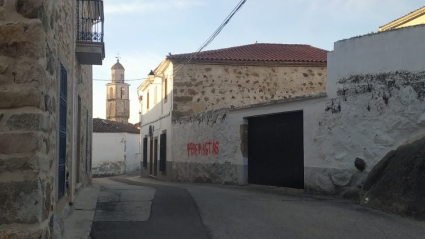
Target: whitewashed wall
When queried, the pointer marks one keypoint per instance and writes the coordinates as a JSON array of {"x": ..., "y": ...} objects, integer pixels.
[
  {"x": 376, "y": 93},
  {"x": 158, "y": 115},
  {"x": 376, "y": 88},
  {"x": 115, "y": 153},
  {"x": 396, "y": 50},
  {"x": 230, "y": 165},
  {"x": 132, "y": 153}
]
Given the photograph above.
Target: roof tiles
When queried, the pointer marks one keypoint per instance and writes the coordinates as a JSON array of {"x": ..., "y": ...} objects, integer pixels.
[
  {"x": 259, "y": 52},
  {"x": 107, "y": 126}
]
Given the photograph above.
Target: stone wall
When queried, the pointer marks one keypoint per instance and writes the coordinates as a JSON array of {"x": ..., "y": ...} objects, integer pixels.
[
  {"x": 201, "y": 87},
  {"x": 35, "y": 37}
]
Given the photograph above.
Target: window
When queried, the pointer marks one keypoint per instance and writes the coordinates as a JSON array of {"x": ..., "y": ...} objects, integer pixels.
[
  {"x": 122, "y": 93},
  {"x": 111, "y": 93},
  {"x": 165, "y": 89},
  {"x": 147, "y": 101},
  {"x": 155, "y": 96},
  {"x": 122, "y": 77}
]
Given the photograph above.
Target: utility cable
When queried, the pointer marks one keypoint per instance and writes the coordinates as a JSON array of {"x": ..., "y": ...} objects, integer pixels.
[
  {"x": 213, "y": 36},
  {"x": 124, "y": 80}
]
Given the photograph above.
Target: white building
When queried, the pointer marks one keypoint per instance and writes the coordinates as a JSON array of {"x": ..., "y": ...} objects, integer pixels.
[
  {"x": 115, "y": 148},
  {"x": 185, "y": 129},
  {"x": 225, "y": 112}
]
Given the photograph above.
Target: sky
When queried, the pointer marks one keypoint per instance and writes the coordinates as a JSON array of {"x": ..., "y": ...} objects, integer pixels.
[{"x": 145, "y": 31}]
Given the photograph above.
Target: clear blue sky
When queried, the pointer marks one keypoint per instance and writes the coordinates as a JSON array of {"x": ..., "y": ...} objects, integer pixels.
[{"x": 145, "y": 31}]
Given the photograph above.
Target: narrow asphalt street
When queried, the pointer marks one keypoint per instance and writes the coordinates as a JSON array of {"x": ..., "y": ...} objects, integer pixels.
[{"x": 133, "y": 207}]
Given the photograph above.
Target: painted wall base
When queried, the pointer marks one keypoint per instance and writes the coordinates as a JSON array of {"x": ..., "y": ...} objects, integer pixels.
[
  {"x": 346, "y": 183},
  {"x": 225, "y": 173}
]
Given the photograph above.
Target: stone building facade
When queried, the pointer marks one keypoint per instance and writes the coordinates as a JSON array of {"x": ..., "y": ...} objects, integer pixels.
[
  {"x": 180, "y": 95},
  {"x": 45, "y": 111},
  {"x": 118, "y": 101}
]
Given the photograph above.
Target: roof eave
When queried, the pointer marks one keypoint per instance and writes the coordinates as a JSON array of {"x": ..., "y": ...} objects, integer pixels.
[
  {"x": 251, "y": 63},
  {"x": 402, "y": 20}
]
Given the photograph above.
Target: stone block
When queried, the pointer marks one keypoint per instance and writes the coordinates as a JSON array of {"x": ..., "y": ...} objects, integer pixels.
[
  {"x": 396, "y": 184},
  {"x": 22, "y": 40},
  {"x": 3, "y": 67},
  {"x": 29, "y": 8},
  {"x": 14, "y": 98},
  {"x": 341, "y": 177},
  {"x": 183, "y": 98},
  {"x": 25, "y": 121},
  {"x": 18, "y": 164},
  {"x": 325, "y": 184},
  {"x": 19, "y": 202},
  {"x": 12, "y": 143},
  {"x": 27, "y": 71},
  {"x": 1, "y": 3},
  {"x": 15, "y": 233}
]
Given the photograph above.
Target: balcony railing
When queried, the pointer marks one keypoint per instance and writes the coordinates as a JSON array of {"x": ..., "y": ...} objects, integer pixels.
[
  {"x": 90, "y": 48},
  {"x": 90, "y": 19}
]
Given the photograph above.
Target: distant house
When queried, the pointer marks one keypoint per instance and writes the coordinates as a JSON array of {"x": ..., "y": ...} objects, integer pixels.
[
  {"x": 115, "y": 148},
  {"x": 416, "y": 17},
  {"x": 189, "y": 124},
  {"x": 137, "y": 125}
]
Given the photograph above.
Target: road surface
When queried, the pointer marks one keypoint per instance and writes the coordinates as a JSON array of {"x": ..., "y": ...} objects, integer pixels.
[{"x": 131, "y": 207}]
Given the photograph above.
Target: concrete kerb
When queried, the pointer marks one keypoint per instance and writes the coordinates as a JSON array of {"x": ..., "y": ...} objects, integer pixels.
[{"x": 78, "y": 225}]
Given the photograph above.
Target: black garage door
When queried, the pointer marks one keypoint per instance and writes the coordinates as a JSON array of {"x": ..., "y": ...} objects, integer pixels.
[{"x": 276, "y": 150}]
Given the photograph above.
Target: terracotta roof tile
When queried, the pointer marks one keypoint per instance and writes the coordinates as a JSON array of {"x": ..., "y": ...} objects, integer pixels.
[
  {"x": 260, "y": 52},
  {"x": 107, "y": 126}
]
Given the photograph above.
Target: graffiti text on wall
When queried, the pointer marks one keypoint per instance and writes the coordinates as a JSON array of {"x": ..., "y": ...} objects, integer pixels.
[{"x": 204, "y": 149}]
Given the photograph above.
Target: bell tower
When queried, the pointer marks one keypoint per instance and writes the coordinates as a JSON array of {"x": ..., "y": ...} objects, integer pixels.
[{"x": 117, "y": 95}]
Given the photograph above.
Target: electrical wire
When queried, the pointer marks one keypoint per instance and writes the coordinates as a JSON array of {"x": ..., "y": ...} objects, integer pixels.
[
  {"x": 213, "y": 36},
  {"x": 205, "y": 44},
  {"x": 124, "y": 80}
]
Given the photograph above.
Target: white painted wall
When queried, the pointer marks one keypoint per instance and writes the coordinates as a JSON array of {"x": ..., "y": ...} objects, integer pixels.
[
  {"x": 356, "y": 122},
  {"x": 227, "y": 133},
  {"x": 375, "y": 88},
  {"x": 401, "y": 49},
  {"x": 115, "y": 153},
  {"x": 158, "y": 115},
  {"x": 132, "y": 153}
]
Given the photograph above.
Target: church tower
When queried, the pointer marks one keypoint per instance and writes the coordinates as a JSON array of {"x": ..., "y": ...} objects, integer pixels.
[{"x": 118, "y": 101}]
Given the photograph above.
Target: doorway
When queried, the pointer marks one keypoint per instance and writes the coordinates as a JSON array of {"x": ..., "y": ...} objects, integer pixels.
[
  {"x": 276, "y": 150},
  {"x": 155, "y": 162},
  {"x": 151, "y": 156}
]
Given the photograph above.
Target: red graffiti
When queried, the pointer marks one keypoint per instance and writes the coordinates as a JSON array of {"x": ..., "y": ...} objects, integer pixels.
[{"x": 207, "y": 148}]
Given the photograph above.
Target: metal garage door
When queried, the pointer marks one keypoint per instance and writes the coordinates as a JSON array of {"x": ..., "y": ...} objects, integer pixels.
[{"x": 276, "y": 150}]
